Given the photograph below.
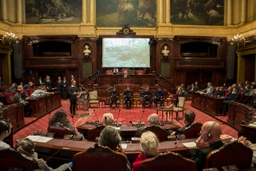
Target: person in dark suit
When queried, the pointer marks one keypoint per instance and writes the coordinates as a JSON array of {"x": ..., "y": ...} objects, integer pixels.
[
  {"x": 159, "y": 96},
  {"x": 73, "y": 93},
  {"x": 59, "y": 83},
  {"x": 146, "y": 97},
  {"x": 64, "y": 88},
  {"x": 231, "y": 97},
  {"x": 39, "y": 82},
  {"x": 208, "y": 141},
  {"x": 114, "y": 96},
  {"x": 48, "y": 83},
  {"x": 128, "y": 97}
]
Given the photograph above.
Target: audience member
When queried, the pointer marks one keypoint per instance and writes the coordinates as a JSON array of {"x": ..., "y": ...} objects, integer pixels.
[
  {"x": 246, "y": 89},
  {"x": 27, "y": 149},
  {"x": 111, "y": 138},
  {"x": 114, "y": 97},
  {"x": 128, "y": 97},
  {"x": 208, "y": 89},
  {"x": 208, "y": 141},
  {"x": 12, "y": 88},
  {"x": 18, "y": 99},
  {"x": 72, "y": 78},
  {"x": 40, "y": 81},
  {"x": 159, "y": 96},
  {"x": 108, "y": 119},
  {"x": 218, "y": 92},
  {"x": 250, "y": 145},
  {"x": 73, "y": 92},
  {"x": 189, "y": 118},
  {"x": 146, "y": 97},
  {"x": 231, "y": 97},
  {"x": 64, "y": 88},
  {"x": 148, "y": 145},
  {"x": 5, "y": 131},
  {"x": 40, "y": 92},
  {"x": 197, "y": 87},
  {"x": 30, "y": 85},
  {"x": 59, "y": 119},
  {"x": 253, "y": 87}
]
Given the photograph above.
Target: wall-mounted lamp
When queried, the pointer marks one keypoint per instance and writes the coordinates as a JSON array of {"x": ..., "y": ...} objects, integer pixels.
[
  {"x": 9, "y": 38},
  {"x": 238, "y": 40}
]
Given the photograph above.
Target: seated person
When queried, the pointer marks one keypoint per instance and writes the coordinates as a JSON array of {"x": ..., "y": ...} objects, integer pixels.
[
  {"x": 59, "y": 119},
  {"x": 126, "y": 76},
  {"x": 253, "y": 100},
  {"x": 83, "y": 97},
  {"x": 208, "y": 89},
  {"x": 189, "y": 118},
  {"x": 128, "y": 97},
  {"x": 27, "y": 149},
  {"x": 12, "y": 88},
  {"x": 5, "y": 131},
  {"x": 219, "y": 92},
  {"x": 146, "y": 97},
  {"x": 148, "y": 145},
  {"x": 231, "y": 97},
  {"x": 107, "y": 119},
  {"x": 208, "y": 141},
  {"x": 29, "y": 85},
  {"x": 114, "y": 96},
  {"x": 40, "y": 92},
  {"x": 250, "y": 145},
  {"x": 111, "y": 138},
  {"x": 17, "y": 98},
  {"x": 159, "y": 96}
]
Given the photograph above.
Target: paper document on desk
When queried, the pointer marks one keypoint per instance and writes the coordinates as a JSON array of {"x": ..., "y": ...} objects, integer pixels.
[
  {"x": 38, "y": 138},
  {"x": 189, "y": 144},
  {"x": 124, "y": 146}
]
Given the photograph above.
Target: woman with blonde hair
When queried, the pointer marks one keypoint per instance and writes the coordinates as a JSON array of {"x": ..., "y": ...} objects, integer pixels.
[{"x": 148, "y": 145}]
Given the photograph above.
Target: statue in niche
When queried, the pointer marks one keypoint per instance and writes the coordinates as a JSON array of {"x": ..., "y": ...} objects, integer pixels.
[
  {"x": 165, "y": 51},
  {"x": 86, "y": 51}
]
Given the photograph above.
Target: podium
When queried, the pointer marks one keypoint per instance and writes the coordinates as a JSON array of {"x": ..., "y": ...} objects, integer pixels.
[{"x": 126, "y": 81}]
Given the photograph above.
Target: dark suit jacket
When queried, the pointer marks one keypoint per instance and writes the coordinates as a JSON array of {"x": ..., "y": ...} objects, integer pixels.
[{"x": 199, "y": 156}]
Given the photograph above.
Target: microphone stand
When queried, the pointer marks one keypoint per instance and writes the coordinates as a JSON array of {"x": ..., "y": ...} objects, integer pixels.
[
  {"x": 117, "y": 124},
  {"x": 140, "y": 124},
  {"x": 97, "y": 121}
]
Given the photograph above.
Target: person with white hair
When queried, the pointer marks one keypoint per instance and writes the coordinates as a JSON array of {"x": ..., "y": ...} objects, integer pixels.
[
  {"x": 108, "y": 119},
  {"x": 148, "y": 145}
]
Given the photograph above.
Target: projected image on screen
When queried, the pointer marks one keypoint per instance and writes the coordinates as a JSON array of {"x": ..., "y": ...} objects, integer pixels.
[{"x": 126, "y": 53}]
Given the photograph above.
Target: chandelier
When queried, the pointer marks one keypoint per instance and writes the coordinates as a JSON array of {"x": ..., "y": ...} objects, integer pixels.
[
  {"x": 238, "y": 40},
  {"x": 8, "y": 38}
]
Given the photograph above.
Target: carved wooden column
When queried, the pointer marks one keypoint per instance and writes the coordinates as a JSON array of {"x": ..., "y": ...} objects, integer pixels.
[
  {"x": 167, "y": 12},
  {"x": 243, "y": 11},
  {"x": 159, "y": 12},
  {"x": 240, "y": 68},
  {"x": 92, "y": 11},
  {"x": 84, "y": 11},
  {"x": 19, "y": 11},
  {"x": 228, "y": 12}
]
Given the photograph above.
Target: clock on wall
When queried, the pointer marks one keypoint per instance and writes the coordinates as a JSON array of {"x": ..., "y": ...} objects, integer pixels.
[{"x": 126, "y": 30}]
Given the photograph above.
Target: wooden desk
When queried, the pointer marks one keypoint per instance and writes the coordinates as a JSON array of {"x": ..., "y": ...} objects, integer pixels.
[
  {"x": 43, "y": 105},
  {"x": 166, "y": 110},
  {"x": 125, "y": 131},
  {"x": 15, "y": 114},
  {"x": 207, "y": 104},
  {"x": 65, "y": 149},
  {"x": 238, "y": 112}
]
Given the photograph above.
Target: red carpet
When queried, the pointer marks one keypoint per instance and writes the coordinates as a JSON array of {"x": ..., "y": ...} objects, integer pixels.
[{"x": 125, "y": 116}]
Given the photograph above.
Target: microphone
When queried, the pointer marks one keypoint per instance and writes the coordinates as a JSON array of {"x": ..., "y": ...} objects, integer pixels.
[
  {"x": 140, "y": 124},
  {"x": 117, "y": 123}
]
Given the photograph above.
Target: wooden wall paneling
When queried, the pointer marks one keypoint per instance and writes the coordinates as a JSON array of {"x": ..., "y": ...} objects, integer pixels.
[{"x": 250, "y": 67}]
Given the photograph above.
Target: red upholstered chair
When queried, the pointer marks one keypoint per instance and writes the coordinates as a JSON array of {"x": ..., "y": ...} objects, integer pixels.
[
  {"x": 168, "y": 162},
  {"x": 9, "y": 97},
  {"x": 233, "y": 153},
  {"x": 30, "y": 91},
  {"x": 4, "y": 88},
  {"x": 193, "y": 130},
  {"x": 59, "y": 131},
  {"x": 160, "y": 133},
  {"x": 94, "y": 133},
  {"x": 240, "y": 98},
  {"x": 99, "y": 159},
  {"x": 11, "y": 158}
]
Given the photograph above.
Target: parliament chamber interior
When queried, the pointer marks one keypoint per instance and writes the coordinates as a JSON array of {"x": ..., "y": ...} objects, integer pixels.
[{"x": 128, "y": 85}]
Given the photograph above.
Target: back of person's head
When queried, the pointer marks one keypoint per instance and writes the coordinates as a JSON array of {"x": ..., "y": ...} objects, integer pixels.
[
  {"x": 189, "y": 116},
  {"x": 110, "y": 137},
  {"x": 19, "y": 88},
  {"x": 149, "y": 143},
  {"x": 26, "y": 147},
  {"x": 153, "y": 119},
  {"x": 59, "y": 116},
  {"x": 211, "y": 131},
  {"x": 5, "y": 127},
  {"x": 108, "y": 118}
]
